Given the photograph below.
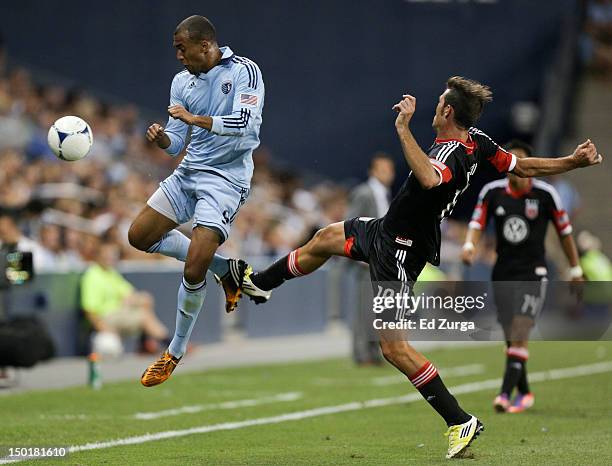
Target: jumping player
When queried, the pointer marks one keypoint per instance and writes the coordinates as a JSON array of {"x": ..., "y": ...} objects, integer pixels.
[
  {"x": 522, "y": 208},
  {"x": 398, "y": 245},
  {"x": 220, "y": 96}
]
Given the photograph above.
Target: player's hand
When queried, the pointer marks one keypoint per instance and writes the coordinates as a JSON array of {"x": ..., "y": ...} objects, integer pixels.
[
  {"x": 405, "y": 108},
  {"x": 179, "y": 112},
  {"x": 586, "y": 154},
  {"x": 468, "y": 253},
  {"x": 156, "y": 134}
]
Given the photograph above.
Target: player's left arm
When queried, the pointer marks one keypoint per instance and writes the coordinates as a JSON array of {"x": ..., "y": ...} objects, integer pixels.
[
  {"x": 247, "y": 105},
  {"x": 585, "y": 155},
  {"x": 564, "y": 228},
  {"x": 421, "y": 166}
]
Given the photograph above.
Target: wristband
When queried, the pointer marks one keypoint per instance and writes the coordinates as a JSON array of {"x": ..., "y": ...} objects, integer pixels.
[
  {"x": 468, "y": 246},
  {"x": 576, "y": 271}
]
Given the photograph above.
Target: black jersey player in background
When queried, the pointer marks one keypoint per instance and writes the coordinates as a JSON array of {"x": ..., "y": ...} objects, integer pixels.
[
  {"x": 398, "y": 245},
  {"x": 522, "y": 209}
]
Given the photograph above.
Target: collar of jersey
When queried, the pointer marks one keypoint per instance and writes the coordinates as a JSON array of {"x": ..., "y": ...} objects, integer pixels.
[
  {"x": 470, "y": 145},
  {"x": 518, "y": 194},
  {"x": 226, "y": 52}
]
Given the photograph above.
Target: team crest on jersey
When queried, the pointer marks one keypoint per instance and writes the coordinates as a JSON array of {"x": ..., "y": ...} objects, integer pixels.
[
  {"x": 531, "y": 208},
  {"x": 515, "y": 229},
  {"x": 226, "y": 87}
]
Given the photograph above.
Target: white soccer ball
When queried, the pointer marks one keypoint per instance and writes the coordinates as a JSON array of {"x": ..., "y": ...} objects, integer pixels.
[
  {"x": 70, "y": 138},
  {"x": 107, "y": 344}
]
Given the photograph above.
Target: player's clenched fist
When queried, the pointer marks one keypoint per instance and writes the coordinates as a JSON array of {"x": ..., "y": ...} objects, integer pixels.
[
  {"x": 156, "y": 134},
  {"x": 405, "y": 108},
  {"x": 180, "y": 113},
  {"x": 586, "y": 154}
]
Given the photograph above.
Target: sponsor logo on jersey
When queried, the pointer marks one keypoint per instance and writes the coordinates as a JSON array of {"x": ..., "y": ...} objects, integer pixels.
[
  {"x": 515, "y": 229},
  {"x": 403, "y": 241},
  {"x": 226, "y": 87},
  {"x": 531, "y": 208},
  {"x": 500, "y": 211}
]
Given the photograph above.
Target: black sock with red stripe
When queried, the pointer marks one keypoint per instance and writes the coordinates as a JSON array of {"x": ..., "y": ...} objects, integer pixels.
[
  {"x": 283, "y": 269},
  {"x": 427, "y": 381},
  {"x": 523, "y": 384},
  {"x": 516, "y": 357}
]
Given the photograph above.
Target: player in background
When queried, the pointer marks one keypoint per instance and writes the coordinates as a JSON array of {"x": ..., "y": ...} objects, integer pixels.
[
  {"x": 220, "y": 96},
  {"x": 398, "y": 245},
  {"x": 521, "y": 209}
]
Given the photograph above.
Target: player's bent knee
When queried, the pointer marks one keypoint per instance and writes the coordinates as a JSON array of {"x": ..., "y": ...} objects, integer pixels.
[
  {"x": 325, "y": 239},
  {"x": 136, "y": 238}
]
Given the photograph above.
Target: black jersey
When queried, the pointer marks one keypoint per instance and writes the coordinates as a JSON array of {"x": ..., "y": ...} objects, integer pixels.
[
  {"x": 415, "y": 213},
  {"x": 521, "y": 221}
]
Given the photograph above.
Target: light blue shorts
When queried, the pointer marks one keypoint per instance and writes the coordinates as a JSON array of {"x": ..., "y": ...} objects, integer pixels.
[{"x": 204, "y": 196}]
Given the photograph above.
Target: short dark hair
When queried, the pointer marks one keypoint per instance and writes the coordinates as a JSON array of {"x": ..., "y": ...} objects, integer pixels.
[
  {"x": 198, "y": 28},
  {"x": 521, "y": 145},
  {"x": 380, "y": 155},
  {"x": 467, "y": 97}
]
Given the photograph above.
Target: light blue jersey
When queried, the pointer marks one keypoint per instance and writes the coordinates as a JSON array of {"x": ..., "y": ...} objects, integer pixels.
[{"x": 232, "y": 93}]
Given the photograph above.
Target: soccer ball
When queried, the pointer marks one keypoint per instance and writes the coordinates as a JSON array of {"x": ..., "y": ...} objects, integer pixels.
[
  {"x": 70, "y": 138},
  {"x": 107, "y": 345}
]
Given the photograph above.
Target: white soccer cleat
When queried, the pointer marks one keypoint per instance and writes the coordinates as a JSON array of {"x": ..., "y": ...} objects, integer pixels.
[
  {"x": 256, "y": 294},
  {"x": 461, "y": 435}
]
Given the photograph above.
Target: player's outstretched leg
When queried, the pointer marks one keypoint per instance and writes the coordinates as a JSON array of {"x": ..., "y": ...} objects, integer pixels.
[
  {"x": 327, "y": 242},
  {"x": 463, "y": 428},
  {"x": 191, "y": 293}
]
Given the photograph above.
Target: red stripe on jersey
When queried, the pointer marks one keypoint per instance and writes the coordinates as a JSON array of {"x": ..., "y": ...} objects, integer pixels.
[
  {"x": 470, "y": 144},
  {"x": 480, "y": 215},
  {"x": 561, "y": 221},
  {"x": 502, "y": 160},
  {"x": 348, "y": 245},
  {"x": 445, "y": 174}
]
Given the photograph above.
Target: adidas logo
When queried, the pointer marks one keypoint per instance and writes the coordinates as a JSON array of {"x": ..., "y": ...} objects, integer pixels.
[{"x": 500, "y": 211}]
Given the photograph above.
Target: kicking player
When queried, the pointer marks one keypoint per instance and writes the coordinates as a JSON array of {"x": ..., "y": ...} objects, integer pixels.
[
  {"x": 220, "y": 96},
  {"x": 398, "y": 245},
  {"x": 522, "y": 208}
]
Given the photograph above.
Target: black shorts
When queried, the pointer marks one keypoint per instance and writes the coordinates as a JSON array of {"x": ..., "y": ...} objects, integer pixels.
[
  {"x": 390, "y": 260},
  {"x": 519, "y": 298}
]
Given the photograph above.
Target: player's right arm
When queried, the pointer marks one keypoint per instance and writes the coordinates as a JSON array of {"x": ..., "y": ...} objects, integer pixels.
[
  {"x": 172, "y": 137},
  {"x": 417, "y": 160},
  {"x": 477, "y": 224}
]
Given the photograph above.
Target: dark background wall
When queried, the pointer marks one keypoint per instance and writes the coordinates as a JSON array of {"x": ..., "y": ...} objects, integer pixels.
[{"x": 333, "y": 69}]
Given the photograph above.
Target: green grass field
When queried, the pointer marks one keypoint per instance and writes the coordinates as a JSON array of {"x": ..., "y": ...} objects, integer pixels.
[{"x": 570, "y": 423}]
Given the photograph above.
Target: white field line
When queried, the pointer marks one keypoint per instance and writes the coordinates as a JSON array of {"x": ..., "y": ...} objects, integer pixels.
[
  {"x": 290, "y": 396},
  {"x": 459, "y": 371},
  {"x": 554, "y": 374}
]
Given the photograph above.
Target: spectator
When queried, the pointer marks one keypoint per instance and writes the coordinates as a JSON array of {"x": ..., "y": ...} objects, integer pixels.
[
  {"x": 11, "y": 239},
  {"x": 369, "y": 199},
  {"x": 111, "y": 304}
]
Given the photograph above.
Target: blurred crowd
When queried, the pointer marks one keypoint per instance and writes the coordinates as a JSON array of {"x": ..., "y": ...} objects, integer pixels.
[
  {"x": 63, "y": 210},
  {"x": 596, "y": 40}
]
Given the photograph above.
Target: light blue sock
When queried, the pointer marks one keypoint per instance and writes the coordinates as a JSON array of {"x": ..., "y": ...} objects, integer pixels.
[
  {"x": 190, "y": 301},
  {"x": 172, "y": 244},
  {"x": 175, "y": 244},
  {"x": 219, "y": 265}
]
